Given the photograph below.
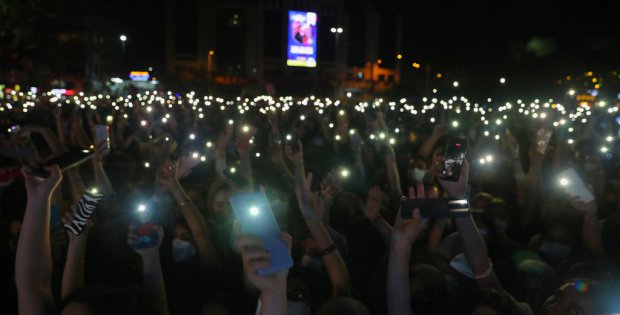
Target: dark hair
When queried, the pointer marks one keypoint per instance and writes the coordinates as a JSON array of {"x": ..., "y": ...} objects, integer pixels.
[{"x": 104, "y": 300}]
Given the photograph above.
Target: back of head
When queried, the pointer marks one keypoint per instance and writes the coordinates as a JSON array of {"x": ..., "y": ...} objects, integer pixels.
[{"x": 343, "y": 306}]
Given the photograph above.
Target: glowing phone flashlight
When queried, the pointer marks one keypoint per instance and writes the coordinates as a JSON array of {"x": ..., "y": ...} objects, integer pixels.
[{"x": 254, "y": 211}]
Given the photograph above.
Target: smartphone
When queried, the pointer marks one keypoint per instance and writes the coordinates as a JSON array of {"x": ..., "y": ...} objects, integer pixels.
[
  {"x": 146, "y": 217},
  {"x": 434, "y": 208},
  {"x": 101, "y": 135},
  {"x": 572, "y": 184},
  {"x": 65, "y": 161},
  {"x": 256, "y": 218},
  {"x": 454, "y": 157},
  {"x": 542, "y": 140}
]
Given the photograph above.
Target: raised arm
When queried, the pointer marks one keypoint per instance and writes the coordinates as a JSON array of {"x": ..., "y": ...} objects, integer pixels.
[
  {"x": 33, "y": 261},
  {"x": 310, "y": 207},
  {"x": 591, "y": 230},
  {"x": 427, "y": 147},
  {"x": 392, "y": 171},
  {"x": 295, "y": 154},
  {"x": 204, "y": 244},
  {"x": 473, "y": 245},
  {"x": 244, "y": 146},
  {"x": 154, "y": 291},
  {"x": 73, "y": 274},
  {"x": 403, "y": 236},
  {"x": 272, "y": 287},
  {"x": 372, "y": 212}
]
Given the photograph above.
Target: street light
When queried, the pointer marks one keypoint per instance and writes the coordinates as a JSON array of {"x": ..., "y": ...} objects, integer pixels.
[
  {"x": 336, "y": 30},
  {"x": 123, "y": 39}
]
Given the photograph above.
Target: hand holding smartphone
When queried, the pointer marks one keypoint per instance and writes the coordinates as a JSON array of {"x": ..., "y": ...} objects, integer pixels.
[
  {"x": 256, "y": 218},
  {"x": 65, "y": 161},
  {"x": 454, "y": 157},
  {"x": 542, "y": 140},
  {"x": 145, "y": 219},
  {"x": 573, "y": 185},
  {"x": 101, "y": 136}
]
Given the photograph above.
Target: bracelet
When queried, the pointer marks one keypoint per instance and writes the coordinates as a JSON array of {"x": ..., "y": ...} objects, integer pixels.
[{"x": 327, "y": 251}]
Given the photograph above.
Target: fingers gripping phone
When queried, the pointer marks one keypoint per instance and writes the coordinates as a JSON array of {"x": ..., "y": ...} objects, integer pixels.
[
  {"x": 434, "y": 208},
  {"x": 65, "y": 161},
  {"x": 146, "y": 217},
  {"x": 572, "y": 184},
  {"x": 101, "y": 135},
  {"x": 454, "y": 157},
  {"x": 256, "y": 218}
]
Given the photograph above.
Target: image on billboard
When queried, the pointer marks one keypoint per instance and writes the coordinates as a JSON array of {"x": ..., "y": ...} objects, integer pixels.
[{"x": 301, "y": 48}]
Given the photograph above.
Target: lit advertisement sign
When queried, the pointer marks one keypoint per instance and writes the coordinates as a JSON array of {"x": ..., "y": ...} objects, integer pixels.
[{"x": 301, "y": 48}]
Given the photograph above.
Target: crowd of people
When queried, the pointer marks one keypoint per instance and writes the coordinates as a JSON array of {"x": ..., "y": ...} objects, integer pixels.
[{"x": 336, "y": 174}]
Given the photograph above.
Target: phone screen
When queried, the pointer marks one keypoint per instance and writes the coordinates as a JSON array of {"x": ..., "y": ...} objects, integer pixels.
[
  {"x": 256, "y": 218},
  {"x": 454, "y": 157},
  {"x": 64, "y": 161},
  {"x": 434, "y": 208},
  {"x": 102, "y": 135}
]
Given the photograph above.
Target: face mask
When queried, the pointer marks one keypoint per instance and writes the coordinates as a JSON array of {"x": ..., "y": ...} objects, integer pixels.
[
  {"x": 555, "y": 250},
  {"x": 297, "y": 308},
  {"x": 182, "y": 250}
]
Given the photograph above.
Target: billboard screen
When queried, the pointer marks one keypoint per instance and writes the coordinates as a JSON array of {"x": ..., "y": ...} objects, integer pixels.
[{"x": 301, "y": 48}]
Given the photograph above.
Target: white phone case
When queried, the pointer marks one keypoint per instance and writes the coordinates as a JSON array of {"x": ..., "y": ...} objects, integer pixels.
[{"x": 575, "y": 185}]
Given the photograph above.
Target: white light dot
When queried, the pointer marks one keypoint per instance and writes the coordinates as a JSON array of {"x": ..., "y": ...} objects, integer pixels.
[
  {"x": 147, "y": 164},
  {"x": 254, "y": 211},
  {"x": 141, "y": 208},
  {"x": 564, "y": 181}
]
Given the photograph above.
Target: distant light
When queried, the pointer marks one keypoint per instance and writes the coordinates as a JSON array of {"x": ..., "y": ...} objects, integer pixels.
[
  {"x": 392, "y": 141},
  {"x": 609, "y": 139},
  {"x": 570, "y": 141},
  {"x": 455, "y": 83},
  {"x": 489, "y": 158},
  {"x": 571, "y": 92},
  {"x": 502, "y": 80},
  {"x": 233, "y": 170},
  {"x": 344, "y": 173},
  {"x": 302, "y": 117},
  {"x": 416, "y": 65},
  {"x": 379, "y": 61},
  {"x": 399, "y": 56},
  {"x": 349, "y": 94},
  {"x": 245, "y": 129},
  {"x": 564, "y": 182},
  {"x": 339, "y": 30},
  {"x": 352, "y": 131},
  {"x": 209, "y": 144},
  {"x": 257, "y": 154},
  {"x": 203, "y": 158},
  {"x": 455, "y": 124},
  {"x": 211, "y": 52},
  {"x": 195, "y": 155},
  {"x": 141, "y": 208},
  {"x": 230, "y": 122},
  {"x": 94, "y": 191},
  {"x": 439, "y": 75},
  {"x": 604, "y": 149},
  {"x": 147, "y": 164},
  {"x": 123, "y": 38},
  {"x": 192, "y": 136}
]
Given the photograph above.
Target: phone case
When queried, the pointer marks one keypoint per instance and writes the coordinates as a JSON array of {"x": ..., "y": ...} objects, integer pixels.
[
  {"x": 101, "y": 134},
  {"x": 454, "y": 157},
  {"x": 542, "y": 140},
  {"x": 256, "y": 218},
  {"x": 576, "y": 186},
  {"x": 145, "y": 221},
  {"x": 434, "y": 208},
  {"x": 65, "y": 161},
  {"x": 85, "y": 208}
]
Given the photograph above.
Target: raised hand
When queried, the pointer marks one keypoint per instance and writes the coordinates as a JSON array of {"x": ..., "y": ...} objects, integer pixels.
[
  {"x": 309, "y": 202},
  {"x": 406, "y": 231},
  {"x": 295, "y": 156},
  {"x": 456, "y": 189},
  {"x": 41, "y": 187},
  {"x": 330, "y": 186},
  {"x": 243, "y": 144},
  {"x": 133, "y": 239},
  {"x": 255, "y": 257},
  {"x": 373, "y": 203},
  {"x": 168, "y": 174}
]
